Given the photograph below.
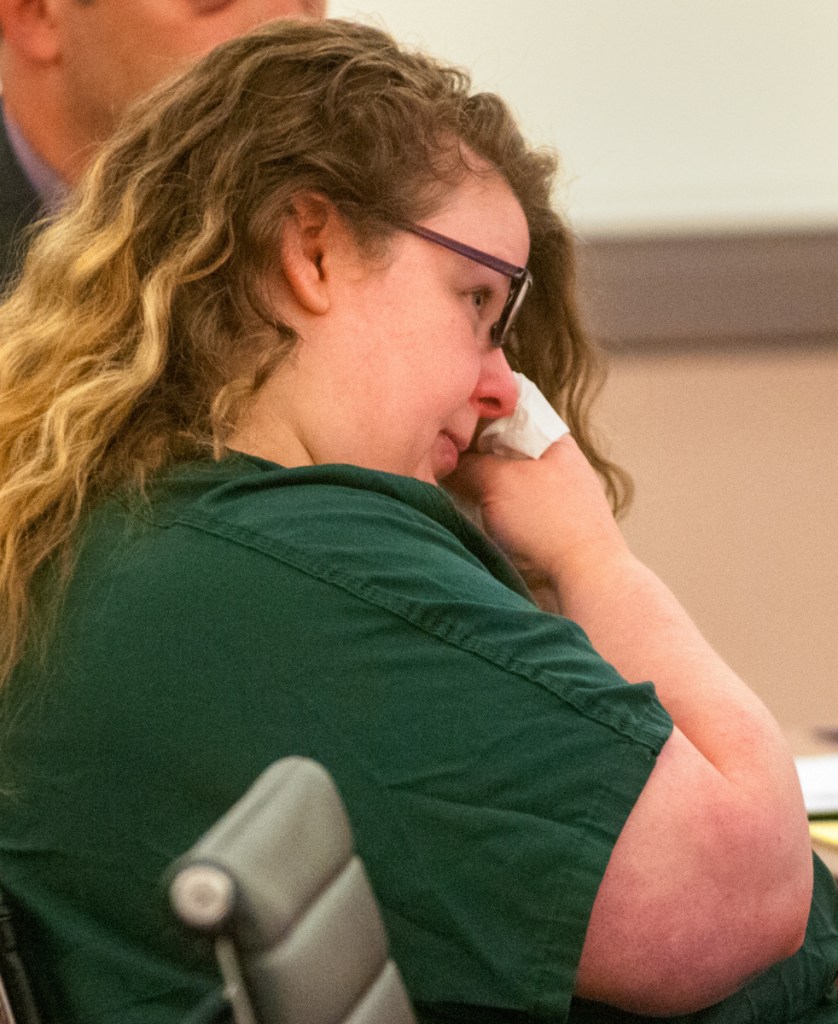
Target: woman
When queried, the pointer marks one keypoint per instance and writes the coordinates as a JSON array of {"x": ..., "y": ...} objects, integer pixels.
[{"x": 231, "y": 382}]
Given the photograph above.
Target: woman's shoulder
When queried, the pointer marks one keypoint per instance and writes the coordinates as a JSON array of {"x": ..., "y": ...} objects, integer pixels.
[
  {"x": 252, "y": 490},
  {"x": 340, "y": 515}
]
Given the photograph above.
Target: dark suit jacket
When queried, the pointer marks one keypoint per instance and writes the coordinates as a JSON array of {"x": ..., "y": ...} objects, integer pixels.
[{"x": 19, "y": 206}]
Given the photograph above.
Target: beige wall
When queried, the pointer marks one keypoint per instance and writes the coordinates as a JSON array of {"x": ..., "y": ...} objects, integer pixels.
[{"x": 735, "y": 460}]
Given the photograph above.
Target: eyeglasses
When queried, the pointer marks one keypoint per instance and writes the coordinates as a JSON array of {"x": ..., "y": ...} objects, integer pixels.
[{"x": 520, "y": 279}]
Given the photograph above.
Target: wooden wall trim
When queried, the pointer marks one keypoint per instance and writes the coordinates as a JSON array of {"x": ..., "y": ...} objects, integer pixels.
[{"x": 708, "y": 291}]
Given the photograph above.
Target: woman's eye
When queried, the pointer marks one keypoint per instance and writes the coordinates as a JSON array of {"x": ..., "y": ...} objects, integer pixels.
[{"x": 480, "y": 298}]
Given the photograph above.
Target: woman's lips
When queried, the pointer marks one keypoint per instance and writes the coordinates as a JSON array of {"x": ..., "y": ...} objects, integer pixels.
[
  {"x": 461, "y": 444},
  {"x": 449, "y": 454}
]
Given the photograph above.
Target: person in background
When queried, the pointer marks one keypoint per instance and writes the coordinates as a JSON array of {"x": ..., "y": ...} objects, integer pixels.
[
  {"x": 233, "y": 378},
  {"x": 69, "y": 68}
]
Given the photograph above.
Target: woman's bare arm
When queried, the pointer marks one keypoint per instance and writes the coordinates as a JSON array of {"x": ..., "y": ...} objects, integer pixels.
[{"x": 710, "y": 880}]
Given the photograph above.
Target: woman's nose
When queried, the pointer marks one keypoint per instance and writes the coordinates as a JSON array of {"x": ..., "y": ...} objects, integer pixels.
[{"x": 496, "y": 394}]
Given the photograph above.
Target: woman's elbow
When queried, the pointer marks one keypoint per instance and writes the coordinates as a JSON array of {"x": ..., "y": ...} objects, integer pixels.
[
  {"x": 782, "y": 887},
  {"x": 786, "y": 910},
  {"x": 767, "y": 927},
  {"x": 708, "y": 939},
  {"x": 690, "y": 974}
]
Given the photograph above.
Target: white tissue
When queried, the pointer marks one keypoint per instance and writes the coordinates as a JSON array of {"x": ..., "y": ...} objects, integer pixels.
[{"x": 529, "y": 431}]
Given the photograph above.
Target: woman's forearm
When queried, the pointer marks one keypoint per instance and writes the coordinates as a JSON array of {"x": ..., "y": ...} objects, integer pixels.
[{"x": 637, "y": 624}]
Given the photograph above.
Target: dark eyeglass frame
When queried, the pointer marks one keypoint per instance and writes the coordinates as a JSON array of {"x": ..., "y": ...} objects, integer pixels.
[{"x": 520, "y": 279}]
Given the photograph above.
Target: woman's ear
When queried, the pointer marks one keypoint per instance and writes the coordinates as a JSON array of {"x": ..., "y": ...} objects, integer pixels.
[{"x": 308, "y": 246}]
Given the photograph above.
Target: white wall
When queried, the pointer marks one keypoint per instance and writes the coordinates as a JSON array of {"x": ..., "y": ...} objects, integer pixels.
[{"x": 669, "y": 114}]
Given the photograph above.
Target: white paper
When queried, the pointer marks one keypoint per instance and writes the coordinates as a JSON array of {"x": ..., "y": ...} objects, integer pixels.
[
  {"x": 819, "y": 782},
  {"x": 529, "y": 431}
]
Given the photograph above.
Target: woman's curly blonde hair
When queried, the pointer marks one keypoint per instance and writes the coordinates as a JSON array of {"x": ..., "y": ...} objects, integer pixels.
[{"x": 138, "y": 330}]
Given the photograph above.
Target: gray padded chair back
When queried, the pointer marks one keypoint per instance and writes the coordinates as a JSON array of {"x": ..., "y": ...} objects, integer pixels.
[{"x": 299, "y": 936}]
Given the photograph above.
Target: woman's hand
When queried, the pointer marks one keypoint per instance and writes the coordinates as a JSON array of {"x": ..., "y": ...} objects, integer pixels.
[{"x": 550, "y": 515}]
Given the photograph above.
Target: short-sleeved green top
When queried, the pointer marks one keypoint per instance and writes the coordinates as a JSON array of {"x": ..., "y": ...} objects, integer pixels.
[{"x": 488, "y": 757}]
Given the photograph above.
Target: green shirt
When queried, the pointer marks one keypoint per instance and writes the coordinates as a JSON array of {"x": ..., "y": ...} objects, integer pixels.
[{"x": 488, "y": 757}]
